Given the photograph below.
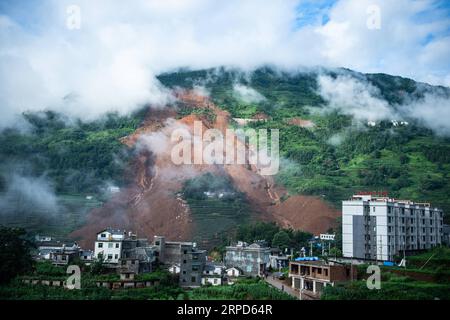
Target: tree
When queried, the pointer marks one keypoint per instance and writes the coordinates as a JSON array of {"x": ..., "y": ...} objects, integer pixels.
[
  {"x": 15, "y": 255},
  {"x": 281, "y": 240}
]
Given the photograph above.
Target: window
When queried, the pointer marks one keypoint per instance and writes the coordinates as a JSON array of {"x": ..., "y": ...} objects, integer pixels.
[
  {"x": 63, "y": 257},
  {"x": 193, "y": 279},
  {"x": 110, "y": 256},
  {"x": 103, "y": 235},
  {"x": 100, "y": 244},
  {"x": 157, "y": 243},
  {"x": 373, "y": 209},
  {"x": 116, "y": 256},
  {"x": 215, "y": 281},
  {"x": 184, "y": 251},
  {"x": 326, "y": 272},
  {"x": 184, "y": 261},
  {"x": 117, "y": 245},
  {"x": 110, "y": 245}
]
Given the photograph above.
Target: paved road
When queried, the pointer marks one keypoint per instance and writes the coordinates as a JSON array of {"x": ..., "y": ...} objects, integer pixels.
[{"x": 279, "y": 285}]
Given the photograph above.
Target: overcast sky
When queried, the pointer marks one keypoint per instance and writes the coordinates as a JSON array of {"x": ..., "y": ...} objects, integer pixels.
[{"x": 110, "y": 61}]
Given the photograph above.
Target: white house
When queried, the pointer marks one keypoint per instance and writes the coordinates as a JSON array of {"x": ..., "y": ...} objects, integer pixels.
[
  {"x": 108, "y": 246},
  {"x": 214, "y": 280},
  {"x": 233, "y": 272},
  {"x": 213, "y": 274},
  {"x": 175, "y": 269},
  {"x": 214, "y": 269},
  {"x": 86, "y": 256}
]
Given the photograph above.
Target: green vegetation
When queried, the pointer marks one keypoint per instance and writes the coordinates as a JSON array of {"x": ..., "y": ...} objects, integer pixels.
[
  {"x": 71, "y": 215},
  {"x": 217, "y": 207},
  {"x": 431, "y": 260},
  {"x": 426, "y": 277},
  {"x": 273, "y": 234},
  {"x": 78, "y": 156},
  {"x": 74, "y": 158},
  {"x": 15, "y": 258},
  {"x": 245, "y": 289},
  {"x": 208, "y": 114},
  {"x": 337, "y": 157},
  {"x": 393, "y": 287},
  {"x": 165, "y": 288}
]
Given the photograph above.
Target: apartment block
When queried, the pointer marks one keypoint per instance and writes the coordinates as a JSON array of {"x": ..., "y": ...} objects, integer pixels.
[
  {"x": 183, "y": 257},
  {"x": 379, "y": 228}
]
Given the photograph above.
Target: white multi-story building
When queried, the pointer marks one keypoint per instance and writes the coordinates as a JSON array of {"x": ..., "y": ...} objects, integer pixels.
[
  {"x": 379, "y": 228},
  {"x": 108, "y": 246}
]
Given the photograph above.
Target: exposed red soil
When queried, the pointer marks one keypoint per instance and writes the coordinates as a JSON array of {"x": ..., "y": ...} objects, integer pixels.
[
  {"x": 300, "y": 122},
  {"x": 150, "y": 205}
]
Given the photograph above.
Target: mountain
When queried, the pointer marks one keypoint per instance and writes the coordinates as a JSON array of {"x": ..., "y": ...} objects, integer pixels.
[{"x": 329, "y": 151}]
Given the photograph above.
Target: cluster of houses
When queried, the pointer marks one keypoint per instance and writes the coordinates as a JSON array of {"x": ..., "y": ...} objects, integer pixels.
[
  {"x": 130, "y": 255},
  {"x": 375, "y": 230}
]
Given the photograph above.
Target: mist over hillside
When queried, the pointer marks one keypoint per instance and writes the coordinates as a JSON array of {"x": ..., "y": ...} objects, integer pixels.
[{"x": 340, "y": 132}]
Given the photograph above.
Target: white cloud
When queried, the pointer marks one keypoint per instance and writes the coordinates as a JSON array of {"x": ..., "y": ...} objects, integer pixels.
[
  {"x": 363, "y": 102},
  {"x": 353, "y": 97},
  {"x": 410, "y": 42},
  {"x": 111, "y": 62},
  {"x": 28, "y": 193},
  {"x": 433, "y": 111},
  {"x": 247, "y": 94}
]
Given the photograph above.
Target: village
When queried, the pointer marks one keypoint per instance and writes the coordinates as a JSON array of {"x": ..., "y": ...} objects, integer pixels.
[{"x": 303, "y": 273}]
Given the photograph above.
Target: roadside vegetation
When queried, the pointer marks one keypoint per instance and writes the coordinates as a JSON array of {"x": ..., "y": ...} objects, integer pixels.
[{"x": 426, "y": 277}]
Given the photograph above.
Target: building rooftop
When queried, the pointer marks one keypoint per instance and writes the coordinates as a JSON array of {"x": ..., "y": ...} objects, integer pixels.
[{"x": 374, "y": 198}]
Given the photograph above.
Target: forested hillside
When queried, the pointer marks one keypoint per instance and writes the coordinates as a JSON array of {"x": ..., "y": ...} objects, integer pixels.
[
  {"x": 337, "y": 156},
  {"x": 325, "y": 151}
]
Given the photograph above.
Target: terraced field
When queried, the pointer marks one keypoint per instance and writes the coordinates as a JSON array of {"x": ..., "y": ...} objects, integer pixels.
[{"x": 214, "y": 218}]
